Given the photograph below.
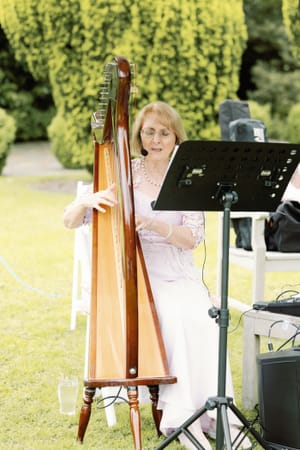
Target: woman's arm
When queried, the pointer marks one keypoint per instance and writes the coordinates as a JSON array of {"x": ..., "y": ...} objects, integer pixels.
[
  {"x": 74, "y": 213},
  {"x": 185, "y": 236}
]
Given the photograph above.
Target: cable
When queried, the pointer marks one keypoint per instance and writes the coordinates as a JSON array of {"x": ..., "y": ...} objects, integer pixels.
[
  {"x": 286, "y": 292},
  {"x": 270, "y": 345},
  {"x": 23, "y": 283},
  {"x": 239, "y": 321},
  {"x": 203, "y": 265},
  {"x": 289, "y": 339},
  {"x": 113, "y": 397}
]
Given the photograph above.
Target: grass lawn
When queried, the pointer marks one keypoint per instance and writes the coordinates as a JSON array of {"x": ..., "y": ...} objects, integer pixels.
[{"x": 37, "y": 346}]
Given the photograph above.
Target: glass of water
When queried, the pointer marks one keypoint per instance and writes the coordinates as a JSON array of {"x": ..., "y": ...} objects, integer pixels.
[{"x": 67, "y": 394}]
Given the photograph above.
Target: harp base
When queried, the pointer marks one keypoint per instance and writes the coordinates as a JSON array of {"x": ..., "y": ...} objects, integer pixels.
[
  {"x": 137, "y": 381},
  {"x": 132, "y": 391}
]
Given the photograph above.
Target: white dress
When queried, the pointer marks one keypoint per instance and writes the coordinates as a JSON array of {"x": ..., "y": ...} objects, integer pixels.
[{"x": 190, "y": 335}]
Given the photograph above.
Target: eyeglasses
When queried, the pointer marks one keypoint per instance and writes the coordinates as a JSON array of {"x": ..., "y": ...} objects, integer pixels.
[{"x": 149, "y": 133}]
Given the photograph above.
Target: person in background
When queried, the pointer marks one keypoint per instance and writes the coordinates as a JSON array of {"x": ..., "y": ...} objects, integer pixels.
[{"x": 182, "y": 301}]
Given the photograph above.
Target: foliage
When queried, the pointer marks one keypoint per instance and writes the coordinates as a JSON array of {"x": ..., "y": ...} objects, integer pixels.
[
  {"x": 269, "y": 73},
  {"x": 292, "y": 124},
  {"x": 267, "y": 42},
  {"x": 291, "y": 17},
  {"x": 280, "y": 93},
  {"x": 28, "y": 39},
  {"x": 28, "y": 101},
  {"x": 7, "y": 136},
  {"x": 192, "y": 62},
  {"x": 177, "y": 47}
]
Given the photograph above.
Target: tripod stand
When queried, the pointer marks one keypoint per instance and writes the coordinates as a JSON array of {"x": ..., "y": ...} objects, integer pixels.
[{"x": 199, "y": 167}]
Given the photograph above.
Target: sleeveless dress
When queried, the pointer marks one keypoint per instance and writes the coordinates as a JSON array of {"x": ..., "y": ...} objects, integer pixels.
[{"x": 182, "y": 302}]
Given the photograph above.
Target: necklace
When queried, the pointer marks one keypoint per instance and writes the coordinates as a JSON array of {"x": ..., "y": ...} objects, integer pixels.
[{"x": 147, "y": 178}]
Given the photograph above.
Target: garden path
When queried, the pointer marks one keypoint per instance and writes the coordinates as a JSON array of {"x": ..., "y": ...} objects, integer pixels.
[{"x": 37, "y": 159}]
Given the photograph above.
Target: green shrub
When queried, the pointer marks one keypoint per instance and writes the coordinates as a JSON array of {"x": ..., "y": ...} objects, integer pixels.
[
  {"x": 292, "y": 124},
  {"x": 31, "y": 121},
  {"x": 186, "y": 53},
  {"x": 7, "y": 136},
  {"x": 70, "y": 151},
  {"x": 291, "y": 18},
  {"x": 189, "y": 55},
  {"x": 28, "y": 101}
]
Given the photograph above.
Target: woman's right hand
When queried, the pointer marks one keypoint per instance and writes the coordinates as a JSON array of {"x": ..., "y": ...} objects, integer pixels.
[
  {"x": 74, "y": 213},
  {"x": 96, "y": 200}
]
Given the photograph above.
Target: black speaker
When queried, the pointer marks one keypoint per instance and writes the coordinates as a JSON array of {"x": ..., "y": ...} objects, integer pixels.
[
  {"x": 230, "y": 110},
  {"x": 279, "y": 397},
  {"x": 249, "y": 130}
]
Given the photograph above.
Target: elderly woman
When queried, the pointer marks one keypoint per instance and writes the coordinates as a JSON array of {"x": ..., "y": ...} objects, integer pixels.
[{"x": 168, "y": 239}]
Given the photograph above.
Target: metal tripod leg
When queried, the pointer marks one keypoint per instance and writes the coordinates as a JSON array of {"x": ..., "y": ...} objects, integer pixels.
[
  {"x": 223, "y": 437},
  {"x": 184, "y": 429},
  {"x": 225, "y": 425}
]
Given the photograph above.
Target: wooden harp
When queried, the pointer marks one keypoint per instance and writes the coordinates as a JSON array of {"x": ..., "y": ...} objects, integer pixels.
[{"x": 125, "y": 344}]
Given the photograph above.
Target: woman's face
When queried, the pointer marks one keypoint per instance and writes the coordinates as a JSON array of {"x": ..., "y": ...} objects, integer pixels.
[{"x": 158, "y": 140}]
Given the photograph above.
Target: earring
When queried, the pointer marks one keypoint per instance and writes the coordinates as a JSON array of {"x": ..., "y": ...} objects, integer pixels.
[{"x": 144, "y": 152}]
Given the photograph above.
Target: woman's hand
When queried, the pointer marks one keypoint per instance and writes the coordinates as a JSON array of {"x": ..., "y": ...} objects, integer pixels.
[
  {"x": 142, "y": 223},
  {"x": 108, "y": 197},
  {"x": 75, "y": 212},
  {"x": 180, "y": 236}
]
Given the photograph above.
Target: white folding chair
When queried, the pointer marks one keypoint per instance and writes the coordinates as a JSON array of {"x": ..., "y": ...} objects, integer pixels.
[
  {"x": 258, "y": 260},
  {"x": 81, "y": 269}
]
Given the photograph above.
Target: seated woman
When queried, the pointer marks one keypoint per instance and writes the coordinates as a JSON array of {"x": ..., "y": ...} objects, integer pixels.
[{"x": 168, "y": 239}]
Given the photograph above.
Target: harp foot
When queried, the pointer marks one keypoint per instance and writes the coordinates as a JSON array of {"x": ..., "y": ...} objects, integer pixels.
[
  {"x": 85, "y": 412},
  {"x": 135, "y": 417},
  {"x": 156, "y": 413}
]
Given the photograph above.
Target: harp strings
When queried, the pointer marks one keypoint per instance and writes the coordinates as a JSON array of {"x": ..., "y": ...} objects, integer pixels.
[{"x": 112, "y": 173}]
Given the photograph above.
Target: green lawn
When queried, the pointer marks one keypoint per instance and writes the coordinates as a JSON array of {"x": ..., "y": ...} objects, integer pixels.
[{"x": 37, "y": 345}]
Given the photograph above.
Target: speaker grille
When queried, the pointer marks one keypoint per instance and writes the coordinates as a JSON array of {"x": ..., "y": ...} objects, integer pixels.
[{"x": 279, "y": 397}]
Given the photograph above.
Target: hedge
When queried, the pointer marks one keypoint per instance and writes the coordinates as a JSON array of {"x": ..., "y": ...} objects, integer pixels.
[
  {"x": 186, "y": 53},
  {"x": 7, "y": 136}
]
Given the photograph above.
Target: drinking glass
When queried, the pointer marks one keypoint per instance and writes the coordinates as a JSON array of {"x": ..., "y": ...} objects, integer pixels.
[{"x": 67, "y": 394}]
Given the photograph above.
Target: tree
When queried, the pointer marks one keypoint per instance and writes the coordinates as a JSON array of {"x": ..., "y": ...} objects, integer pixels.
[
  {"x": 29, "y": 102},
  {"x": 187, "y": 53},
  {"x": 291, "y": 17},
  {"x": 269, "y": 72},
  {"x": 267, "y": 43},
  {"x": 192, "y": 58}
]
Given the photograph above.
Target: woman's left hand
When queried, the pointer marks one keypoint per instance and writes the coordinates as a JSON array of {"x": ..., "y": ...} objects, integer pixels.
[{"x": 142, "y": 223}]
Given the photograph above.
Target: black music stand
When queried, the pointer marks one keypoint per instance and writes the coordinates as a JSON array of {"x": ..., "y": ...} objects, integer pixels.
[{"x": 215, "y": 176}]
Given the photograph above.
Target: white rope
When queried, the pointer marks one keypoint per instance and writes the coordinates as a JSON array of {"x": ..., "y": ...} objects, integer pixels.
[{"x": 23, "y": 283}]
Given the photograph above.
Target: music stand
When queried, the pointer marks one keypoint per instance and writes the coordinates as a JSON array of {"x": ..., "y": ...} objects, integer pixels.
[{"x": 215, "y": 176}]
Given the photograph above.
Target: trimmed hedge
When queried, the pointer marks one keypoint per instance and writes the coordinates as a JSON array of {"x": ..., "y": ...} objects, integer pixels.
[
  {"x": 7, "y": 136},
  {"x": 186, "y": 53}
]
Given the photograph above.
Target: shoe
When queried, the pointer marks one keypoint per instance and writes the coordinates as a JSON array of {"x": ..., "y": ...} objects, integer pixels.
[{"x": 199, "y": 435}]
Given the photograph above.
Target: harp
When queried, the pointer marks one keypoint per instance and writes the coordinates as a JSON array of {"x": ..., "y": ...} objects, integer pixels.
[{"x": 125, "y": 344}]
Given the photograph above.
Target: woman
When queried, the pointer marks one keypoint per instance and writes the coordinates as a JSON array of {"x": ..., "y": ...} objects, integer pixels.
[{"x": 168, "y": 239}]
